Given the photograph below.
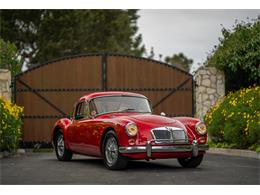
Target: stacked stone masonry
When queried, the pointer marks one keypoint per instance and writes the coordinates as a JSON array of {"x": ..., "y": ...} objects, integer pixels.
[
  {"x": 210, "y": 86},
  {"x": 5, "y": 82}
]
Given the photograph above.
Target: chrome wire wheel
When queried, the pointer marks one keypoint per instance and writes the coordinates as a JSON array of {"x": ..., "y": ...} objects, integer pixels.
[
  {"x": 60, "y": 145},
  {"x": 113, "y": 160},
  {"x": 111, "y": 150}
]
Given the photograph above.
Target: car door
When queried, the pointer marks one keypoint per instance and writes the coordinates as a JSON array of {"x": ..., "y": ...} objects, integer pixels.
[
  {"x": 84, "y": 126},
  {"x": 74, "y": 130},
  {"x": 93, "y": 133},
  {"x": 80, "y": 132}
]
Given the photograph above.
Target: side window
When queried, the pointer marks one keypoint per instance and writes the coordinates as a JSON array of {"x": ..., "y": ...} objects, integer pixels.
[
  {"x": 92, "y": 109},
  {"x": 82, "y": 111},
  {"x": 86, "y": 112}
]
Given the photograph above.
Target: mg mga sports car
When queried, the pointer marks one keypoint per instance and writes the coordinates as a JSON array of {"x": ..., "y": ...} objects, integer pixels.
[{"x": 119, "y": 126}]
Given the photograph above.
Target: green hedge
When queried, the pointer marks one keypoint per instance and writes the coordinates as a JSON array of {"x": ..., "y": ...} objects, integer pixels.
[
  {"x": 10, "y": 125},
  {"x": 235, "y": 119}
]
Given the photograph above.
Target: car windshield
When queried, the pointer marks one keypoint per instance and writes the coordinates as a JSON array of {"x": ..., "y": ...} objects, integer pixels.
[{"x": 121, "y": 104}]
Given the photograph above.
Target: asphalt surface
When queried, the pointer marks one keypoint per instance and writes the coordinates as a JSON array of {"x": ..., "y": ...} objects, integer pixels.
[{"x": 43, "y": 168}]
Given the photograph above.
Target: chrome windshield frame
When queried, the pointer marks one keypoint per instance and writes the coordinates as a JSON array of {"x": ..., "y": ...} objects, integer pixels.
[{"x": 118, "y": 111}]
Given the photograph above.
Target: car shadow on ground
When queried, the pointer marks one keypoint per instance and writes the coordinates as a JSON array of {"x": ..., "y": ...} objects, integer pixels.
[
  {"x": 134, "y": 164},
  {"x": 150, "y": 165},
  {"x": 155, "y": 165}
]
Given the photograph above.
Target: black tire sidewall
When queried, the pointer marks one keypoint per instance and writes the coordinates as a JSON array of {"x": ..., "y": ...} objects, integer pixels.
[
  {"x": 67, "y": 155},
  {"x": 191, "y": 162},
  {"x": 58, "y": 134}
]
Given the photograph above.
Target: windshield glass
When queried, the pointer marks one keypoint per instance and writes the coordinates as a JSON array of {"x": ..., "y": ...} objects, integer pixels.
[{"x": 121, "y": 104}]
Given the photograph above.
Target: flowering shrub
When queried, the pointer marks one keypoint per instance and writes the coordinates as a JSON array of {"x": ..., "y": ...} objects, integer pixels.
[
  {"x": 10, "y": 125},
  {"x": 235, "y": 119}
]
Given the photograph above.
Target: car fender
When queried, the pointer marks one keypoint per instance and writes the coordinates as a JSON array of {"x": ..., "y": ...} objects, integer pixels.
[
  {"x": 62, "y": 124},
  {"x": 118, "y": 126},
  {"x": 190, "y": 124}
]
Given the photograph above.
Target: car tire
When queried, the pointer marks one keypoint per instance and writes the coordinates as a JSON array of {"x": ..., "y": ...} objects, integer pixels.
[
  {"x": 110, "y": 151},
  {"x": 191, "y": 162},
  {"x": 62, "y": 153}
]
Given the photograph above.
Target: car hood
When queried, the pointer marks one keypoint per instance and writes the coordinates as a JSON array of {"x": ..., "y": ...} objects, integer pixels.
[
  {"x": 154, "y": 119},
  {"x": 146, "y": 122}
]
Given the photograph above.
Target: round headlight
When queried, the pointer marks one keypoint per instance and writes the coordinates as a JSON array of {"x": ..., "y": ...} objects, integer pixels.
[
  {"x": 201, "y": 128},
  {"x": 131, "y": 129}
]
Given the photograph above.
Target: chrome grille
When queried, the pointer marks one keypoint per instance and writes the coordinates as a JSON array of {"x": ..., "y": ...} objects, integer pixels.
[
  {"x": 162, "y": 134},
  {"x": 169, "y": 135},
  {"x": 178, "y": 134}
]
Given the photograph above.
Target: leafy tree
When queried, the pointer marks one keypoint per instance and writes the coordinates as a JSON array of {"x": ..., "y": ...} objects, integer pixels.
[
  {"x": 238, "y": 55},
  {"x": 9, "y": 58},
  {"x": 20, "y": 27},
  {"x": 179, "y": 60},
  {"x": 41, "y": 35}
]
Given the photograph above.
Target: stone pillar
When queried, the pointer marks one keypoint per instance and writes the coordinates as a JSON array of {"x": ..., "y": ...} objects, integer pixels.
[
  {"x": 5, "y": 82},
  {"x": 210, "y": 86}
]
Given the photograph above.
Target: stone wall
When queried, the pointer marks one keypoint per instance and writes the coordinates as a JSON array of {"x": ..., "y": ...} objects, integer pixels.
[
  {"x": 5, "y": 82},
  {"x": 210, "y": 86}
]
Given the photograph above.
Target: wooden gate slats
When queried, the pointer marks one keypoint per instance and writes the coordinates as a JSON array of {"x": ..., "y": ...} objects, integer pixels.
[
  {"x": 171, "y": 93},
  {"x": 64, "y": 80},
  {"x": 43, "y": 98}
]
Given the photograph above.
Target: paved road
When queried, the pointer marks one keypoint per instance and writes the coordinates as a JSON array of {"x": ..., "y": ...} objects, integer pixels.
[{"x": 43, "y": 168}]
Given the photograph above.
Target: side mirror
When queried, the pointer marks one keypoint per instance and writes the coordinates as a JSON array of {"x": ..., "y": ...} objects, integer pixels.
[{"x": 163, "y": 114}]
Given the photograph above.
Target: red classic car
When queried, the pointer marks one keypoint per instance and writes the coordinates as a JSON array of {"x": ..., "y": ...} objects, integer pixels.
[{"x": 119, "y": 126}]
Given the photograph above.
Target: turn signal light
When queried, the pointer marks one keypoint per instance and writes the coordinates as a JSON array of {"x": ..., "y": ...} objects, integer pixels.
[{"x": 131, "y": 141}]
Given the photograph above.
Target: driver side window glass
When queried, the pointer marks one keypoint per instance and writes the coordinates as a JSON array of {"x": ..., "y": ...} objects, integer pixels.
[{"x": 82, "y": 111}]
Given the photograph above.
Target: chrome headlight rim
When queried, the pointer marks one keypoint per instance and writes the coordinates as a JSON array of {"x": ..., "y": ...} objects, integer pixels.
[
  {"x": 197, "y": 126},
  {"x": 128, "y": 125}
]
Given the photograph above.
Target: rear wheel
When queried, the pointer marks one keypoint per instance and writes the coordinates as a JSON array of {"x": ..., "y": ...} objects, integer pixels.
[
  {"x": 62, "y": 153},
  {"x": 191, "y": 162},
  {"x": 112, "y": 158}
]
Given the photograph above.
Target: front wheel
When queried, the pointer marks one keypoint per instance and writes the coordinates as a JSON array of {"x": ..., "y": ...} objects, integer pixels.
[
  {"x": 112, "y": 158},
  {"x": 191, "y": 162},
  {"x": 62, "y": 153}
]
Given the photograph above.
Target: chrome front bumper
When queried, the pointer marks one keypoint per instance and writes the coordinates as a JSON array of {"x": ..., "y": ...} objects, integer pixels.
[{"x": 149, "y": 148}]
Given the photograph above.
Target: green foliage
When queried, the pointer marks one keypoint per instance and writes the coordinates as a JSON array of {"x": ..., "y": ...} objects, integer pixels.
[
  {"x": 255, "y": 147},
  {"x": 179, "y": 60},
  {"x": 211, "y": 144},
  {"x": 221, "y": 145},
  {"x": 238, "y": 55},
  {"x": 41, "y": 35},
  {"x": 9, "y": 57},
  {"x": 10, "y": 125},
  {"x": 234, "y": 120}
]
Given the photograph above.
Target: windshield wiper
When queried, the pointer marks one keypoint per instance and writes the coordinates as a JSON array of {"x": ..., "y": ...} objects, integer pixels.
[{"x": 127, "y": 109}]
